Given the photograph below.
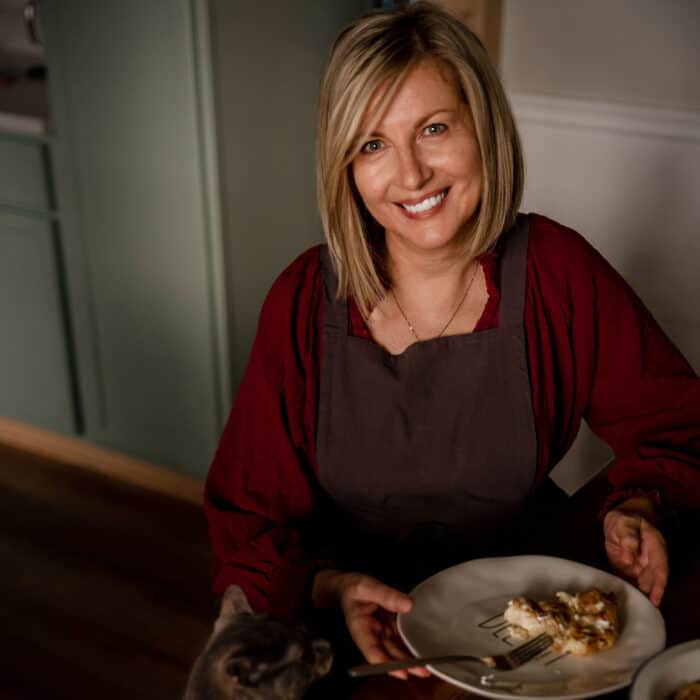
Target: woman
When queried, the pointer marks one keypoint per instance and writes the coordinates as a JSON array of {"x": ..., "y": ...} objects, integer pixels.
[{"x": 413, "y": 383}]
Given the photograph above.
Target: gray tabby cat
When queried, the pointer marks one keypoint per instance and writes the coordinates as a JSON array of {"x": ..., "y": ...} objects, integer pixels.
[{"x": 252, "y": 656}]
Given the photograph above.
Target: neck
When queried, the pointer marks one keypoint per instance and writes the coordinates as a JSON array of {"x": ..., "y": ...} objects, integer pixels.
[{"x": 431, "y": 281}]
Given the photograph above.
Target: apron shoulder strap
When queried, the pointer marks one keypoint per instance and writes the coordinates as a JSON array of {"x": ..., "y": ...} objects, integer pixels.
[
  {"x": 335, "y": 311},
  {"x": 514, "y": 272}
]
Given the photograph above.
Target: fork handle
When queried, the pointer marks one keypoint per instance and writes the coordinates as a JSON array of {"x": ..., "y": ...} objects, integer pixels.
[{"x": 401, "y": 664}]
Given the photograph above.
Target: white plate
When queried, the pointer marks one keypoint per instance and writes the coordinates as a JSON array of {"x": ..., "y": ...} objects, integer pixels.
[
  {"x": 460, "y": 610},
  {"x": 662, "y": 675}
]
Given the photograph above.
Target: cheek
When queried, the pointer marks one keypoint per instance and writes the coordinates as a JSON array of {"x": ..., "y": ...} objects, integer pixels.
[
  {"x": 465, "y": 164},
  {"x": 370, "y": 181}
]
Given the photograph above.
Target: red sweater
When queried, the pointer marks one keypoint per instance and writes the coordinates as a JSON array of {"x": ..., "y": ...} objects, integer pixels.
[{"x": 594, "y": 353}]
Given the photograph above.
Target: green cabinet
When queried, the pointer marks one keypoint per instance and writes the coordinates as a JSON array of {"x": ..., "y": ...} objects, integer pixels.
[
  {"x": 25, "y": 180},
  {"x": 35, "y": 371},
  {"x": 134, "y": 309},
  {"x": 131, "y": 145},
  {"x": 37, "y": 376}
]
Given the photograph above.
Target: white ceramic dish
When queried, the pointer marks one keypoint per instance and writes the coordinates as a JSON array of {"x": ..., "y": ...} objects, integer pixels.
[
  {"x": 660, "y": 677},
  {"x": 460, "y": 610}
]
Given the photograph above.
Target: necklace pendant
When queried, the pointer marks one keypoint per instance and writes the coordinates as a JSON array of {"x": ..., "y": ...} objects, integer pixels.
[{"x": 454, "y": 313}]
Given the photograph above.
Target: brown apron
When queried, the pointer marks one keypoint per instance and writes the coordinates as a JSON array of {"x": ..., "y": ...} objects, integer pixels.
[{"x": 427, "y": 457}]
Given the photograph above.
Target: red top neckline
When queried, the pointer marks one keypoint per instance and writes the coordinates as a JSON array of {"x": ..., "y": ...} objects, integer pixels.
[{"x": 489, "y": 315}]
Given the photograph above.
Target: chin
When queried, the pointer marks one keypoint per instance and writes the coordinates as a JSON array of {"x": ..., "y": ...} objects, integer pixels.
[{"x": 428, "y": 241}]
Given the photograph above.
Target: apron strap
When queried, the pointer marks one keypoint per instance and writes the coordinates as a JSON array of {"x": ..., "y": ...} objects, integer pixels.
[
  {"x": 337, "y": 319},
  {"x": 514, "y": 273}
]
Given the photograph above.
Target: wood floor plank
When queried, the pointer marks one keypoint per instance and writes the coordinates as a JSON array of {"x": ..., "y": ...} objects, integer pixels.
[
  {"x": 78, "y": 595},
  {"x": 105, "y": 585},
  {"x": 119, "y": 543}
]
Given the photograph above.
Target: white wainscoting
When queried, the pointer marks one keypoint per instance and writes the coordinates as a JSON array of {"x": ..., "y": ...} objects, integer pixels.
[{"x": 628, "y": 179}]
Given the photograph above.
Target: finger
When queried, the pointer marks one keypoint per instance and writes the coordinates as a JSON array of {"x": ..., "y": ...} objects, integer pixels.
[
  {"x": 396, "y": 652},
  {"x": 396, "y": 649},
  {"x": 401, "y": 675},
  {"x": 656, "y": 552},
  {"x": 630, "y": 542},
  {"x": 376, "y": 653},
  {"x": 645, "y": 580},
  {"x": 391, "y": 625},
  {"x": 623, "y": 539},
  {"x": 614, "y": 524},
  {"x": 654, "y": 547},
  {"x": 420, "y": 671},
  {"x": 653, "y": 582},
  {"x": 365, "y": 632},
  {"x": 657, "y": 591},
  {"x": 378, "y": 643},
  {"x": 627, "y": 556},
  {"x": 360, "y": 610},
  {"x": 625, "y": 564},
  {"x": 372, "y": 591},
  {"x": 623, "y": 526}
]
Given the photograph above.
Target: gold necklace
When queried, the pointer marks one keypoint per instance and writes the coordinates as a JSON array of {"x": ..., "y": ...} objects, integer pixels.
[{"x": 452, "y": 317}]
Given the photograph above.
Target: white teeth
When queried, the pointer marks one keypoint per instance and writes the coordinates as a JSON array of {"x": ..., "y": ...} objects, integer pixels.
[{"x": 426, "y": 204}]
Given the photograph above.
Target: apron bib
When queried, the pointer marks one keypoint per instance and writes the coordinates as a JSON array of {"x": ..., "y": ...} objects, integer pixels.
[{"x": 427, "y": 457}]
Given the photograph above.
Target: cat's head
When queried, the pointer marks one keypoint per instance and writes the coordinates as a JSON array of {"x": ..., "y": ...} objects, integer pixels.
[{"x": 256, "y": 657}]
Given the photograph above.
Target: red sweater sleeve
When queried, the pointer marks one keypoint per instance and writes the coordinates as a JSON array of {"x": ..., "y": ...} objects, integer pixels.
[
  {"x": 596, "y": 353},
  {"x": 259, "y": 493}
]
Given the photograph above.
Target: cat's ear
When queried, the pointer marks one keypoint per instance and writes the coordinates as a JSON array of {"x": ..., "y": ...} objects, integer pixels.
[{"x": 234, "y": 602}]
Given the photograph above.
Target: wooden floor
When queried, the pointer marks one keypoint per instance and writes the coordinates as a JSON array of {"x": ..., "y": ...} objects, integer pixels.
[{"x": 104, "y": 587}]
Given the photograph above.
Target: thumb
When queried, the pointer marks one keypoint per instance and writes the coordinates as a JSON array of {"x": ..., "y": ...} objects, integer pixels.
[
  {"x": 625, "y": 531},
  {"x": 387, "y": 597}
]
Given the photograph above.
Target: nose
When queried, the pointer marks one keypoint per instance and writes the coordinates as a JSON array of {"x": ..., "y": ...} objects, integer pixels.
[
  {"x": 413, "y": 170},
  {"x": 323, "y": 656},
  {"x": 321, "y": 648}
]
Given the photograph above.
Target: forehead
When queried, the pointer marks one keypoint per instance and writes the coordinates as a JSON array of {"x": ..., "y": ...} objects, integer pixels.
[{"x": 428, "y": 86}]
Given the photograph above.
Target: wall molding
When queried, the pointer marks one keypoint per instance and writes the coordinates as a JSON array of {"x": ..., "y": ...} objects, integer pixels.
[
  {"x": 28, "y": 126},
  {"x": 85, "y": 455},
  {"x": 608, "y": 116},
  {"x": 625, "y": 176}
]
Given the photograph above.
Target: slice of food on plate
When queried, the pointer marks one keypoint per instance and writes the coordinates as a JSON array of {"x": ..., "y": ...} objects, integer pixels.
[
  {"x": 691, "y": 691},
  {"x": 581, "y": 623}
]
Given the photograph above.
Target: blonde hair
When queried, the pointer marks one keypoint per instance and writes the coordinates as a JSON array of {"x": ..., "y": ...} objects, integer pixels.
[{"x": 378, "y": 50}]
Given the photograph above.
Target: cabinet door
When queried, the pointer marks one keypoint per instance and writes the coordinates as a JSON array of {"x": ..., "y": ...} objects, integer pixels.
[
  {"x": 34, "y": 359},
  {"x": 23, "y": 176},
  {"x": 141, "y": 247}
]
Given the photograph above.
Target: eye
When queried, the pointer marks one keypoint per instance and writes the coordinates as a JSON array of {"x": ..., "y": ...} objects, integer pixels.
[
  {"x": 372, "y": 146},
  {"x": 435, "y": 129}
]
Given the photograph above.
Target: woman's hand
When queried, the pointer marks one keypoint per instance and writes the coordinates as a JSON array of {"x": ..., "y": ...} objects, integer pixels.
[
  {"x": 370, "y": 608},
  {"x": 636, "y": 548}
]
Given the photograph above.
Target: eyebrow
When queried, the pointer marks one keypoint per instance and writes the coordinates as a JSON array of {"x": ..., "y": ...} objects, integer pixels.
[{"x": 422, "y": 120}]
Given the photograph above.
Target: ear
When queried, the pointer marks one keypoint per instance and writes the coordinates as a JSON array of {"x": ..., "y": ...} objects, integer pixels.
[{"x": 234, "y": 602}]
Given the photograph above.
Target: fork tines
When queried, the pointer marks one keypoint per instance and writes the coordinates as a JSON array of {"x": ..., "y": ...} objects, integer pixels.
[{"x": 529, "y": 650}]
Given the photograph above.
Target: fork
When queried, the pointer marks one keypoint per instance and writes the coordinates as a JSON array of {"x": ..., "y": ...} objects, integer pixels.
[{"x": 501, "y": 662}]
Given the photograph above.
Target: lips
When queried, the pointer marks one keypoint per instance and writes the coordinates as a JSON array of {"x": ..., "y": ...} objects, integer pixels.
[{"x": 424, "y": 205}]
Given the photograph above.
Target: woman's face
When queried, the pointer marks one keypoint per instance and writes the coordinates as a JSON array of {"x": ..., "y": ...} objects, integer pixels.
[{"x": 419, "y": 172}]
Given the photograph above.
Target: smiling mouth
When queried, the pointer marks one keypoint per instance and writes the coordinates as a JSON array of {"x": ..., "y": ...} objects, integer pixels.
[{"x": 425, "y": 204}]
